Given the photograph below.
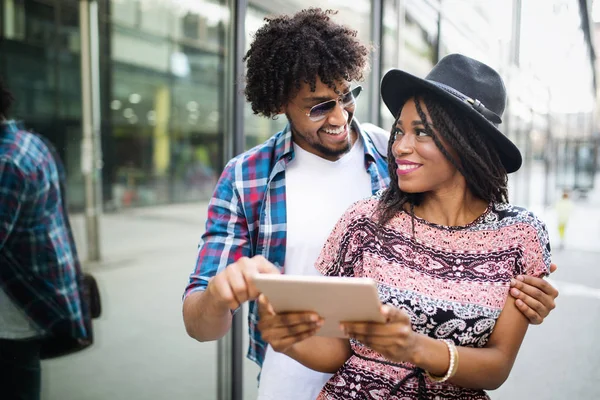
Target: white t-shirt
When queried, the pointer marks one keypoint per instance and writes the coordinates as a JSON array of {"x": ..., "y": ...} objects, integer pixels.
[{"x": 318, "y": 192}]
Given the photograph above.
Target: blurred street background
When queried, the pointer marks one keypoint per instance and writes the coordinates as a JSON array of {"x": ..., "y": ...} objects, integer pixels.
[{"x": 140, "y": 98}]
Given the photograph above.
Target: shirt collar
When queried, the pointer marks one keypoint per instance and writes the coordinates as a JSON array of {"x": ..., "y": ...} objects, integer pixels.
[
  {"x": 371, "y": 153},
  {"x": 11, "y": 126},
  {"x": 283, "y": 144}
]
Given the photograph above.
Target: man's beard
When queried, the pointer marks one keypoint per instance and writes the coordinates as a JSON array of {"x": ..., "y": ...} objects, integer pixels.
[{"x": 326, "y": 151}]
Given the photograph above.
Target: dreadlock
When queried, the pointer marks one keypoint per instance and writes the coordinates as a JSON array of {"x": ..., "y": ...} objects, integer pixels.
[
  {"x": 478, "y": 161},
  {"x": 291, "y": 50}
]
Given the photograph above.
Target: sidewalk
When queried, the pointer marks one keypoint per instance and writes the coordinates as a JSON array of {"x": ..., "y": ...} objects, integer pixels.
[
  {"x": 141, "y": 349},
  {"x": 583, "y": 229},
  {"x": 131, "y": 233}
]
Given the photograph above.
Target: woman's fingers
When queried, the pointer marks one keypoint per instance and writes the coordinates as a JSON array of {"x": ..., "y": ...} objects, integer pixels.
[
  {"x": 289, "y": 331},
  {"x": 283, "y": 344}
]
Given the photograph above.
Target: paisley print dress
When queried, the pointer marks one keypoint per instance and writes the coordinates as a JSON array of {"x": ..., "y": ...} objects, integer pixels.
[{"x": 452, "y": 281}]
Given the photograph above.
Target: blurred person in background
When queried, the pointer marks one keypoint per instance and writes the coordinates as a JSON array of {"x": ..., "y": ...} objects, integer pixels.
[
  {"x": 41, "y": 312},
  {"x": 564, "y": 209},
  {"x": 275, "y": 205}
]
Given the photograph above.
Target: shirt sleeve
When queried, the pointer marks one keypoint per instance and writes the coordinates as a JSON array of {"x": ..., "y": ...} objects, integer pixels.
[
  {"x": 537, "y": 259},
  {"x": 13, "y": 189},
  {"x": 226, "y": 238},
  {"x": 342, "y": 252}
]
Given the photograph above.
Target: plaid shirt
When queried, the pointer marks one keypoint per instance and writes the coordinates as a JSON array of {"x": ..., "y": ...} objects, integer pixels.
[
  {"x": 247, "y": 215},
  {"x": 37, "y": 267}
]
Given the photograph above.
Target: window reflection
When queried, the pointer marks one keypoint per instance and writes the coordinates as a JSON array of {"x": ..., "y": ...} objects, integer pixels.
[
  {"x": 419, "y": 37},
  {"x": 391, "y": 50},
  {"x": 410, "y": 31},
  {"x": 166, "y": 71},
  {"x": 40, "y": 61}
]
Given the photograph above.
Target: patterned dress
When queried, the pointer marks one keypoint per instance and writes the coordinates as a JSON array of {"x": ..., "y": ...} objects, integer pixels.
[{"x": 452, "y": 281}]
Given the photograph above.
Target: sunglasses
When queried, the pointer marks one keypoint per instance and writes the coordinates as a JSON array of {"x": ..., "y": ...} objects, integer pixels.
[{"x": 321, "y": 110}]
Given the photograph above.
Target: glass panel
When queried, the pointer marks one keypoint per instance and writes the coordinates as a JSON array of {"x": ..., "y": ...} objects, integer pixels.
[
  {"x": 576, "y": 165},
  {"x": 411, "y": 48},
  {"x": 585, "y": 163},
  {"x": 390, "y": 52},
  {"x": 40, "y": 62},
  {"x": 479, "y": 30},
  {"x": 566, "y": 161},
  {"x": 162, "y": 81},
  {"x": 419, "y": 37},
  {"x": 166, "y": 71}
]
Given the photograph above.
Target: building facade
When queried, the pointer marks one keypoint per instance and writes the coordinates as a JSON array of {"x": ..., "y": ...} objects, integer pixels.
[{"x": 164, "y": 72}]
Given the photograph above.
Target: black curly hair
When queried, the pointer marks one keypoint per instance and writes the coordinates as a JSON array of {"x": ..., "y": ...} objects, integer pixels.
[
  {"x": 478, "y": 161},
  {"x": 6, "y": 99},
  {"x": 291, "y": 50}
]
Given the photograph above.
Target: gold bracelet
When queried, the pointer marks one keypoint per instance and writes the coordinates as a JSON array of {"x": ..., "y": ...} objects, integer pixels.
[{"x": 452, "y": 368}]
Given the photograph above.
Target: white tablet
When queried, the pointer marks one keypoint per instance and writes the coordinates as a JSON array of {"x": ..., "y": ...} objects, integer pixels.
[{"x": 335, "y": 299}]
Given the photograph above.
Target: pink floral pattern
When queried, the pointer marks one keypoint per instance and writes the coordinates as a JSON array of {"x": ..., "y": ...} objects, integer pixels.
[{"x": 452, "y": 281}]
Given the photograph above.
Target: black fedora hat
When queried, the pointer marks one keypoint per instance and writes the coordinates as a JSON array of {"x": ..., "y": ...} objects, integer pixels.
[{"x": 472, "y": 86}]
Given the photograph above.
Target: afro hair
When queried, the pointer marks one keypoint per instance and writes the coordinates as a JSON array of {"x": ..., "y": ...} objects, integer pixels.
[{"x": 289, "y": 51}]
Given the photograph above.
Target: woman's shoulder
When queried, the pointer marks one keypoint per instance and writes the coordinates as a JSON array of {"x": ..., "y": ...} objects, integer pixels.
[
  {"x": 509, "y": 219},
  {"x": 364, "y": 208},
  {"x": 509, "y": 214},
  {"x": 529, "y": 231}
]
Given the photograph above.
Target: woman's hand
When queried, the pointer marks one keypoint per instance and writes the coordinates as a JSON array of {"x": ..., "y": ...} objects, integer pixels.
[
  {"x": 283, "y": 331},
  {"x": 394, "y": 339}
]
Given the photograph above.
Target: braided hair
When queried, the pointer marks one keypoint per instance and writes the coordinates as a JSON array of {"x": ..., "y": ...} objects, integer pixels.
[
  {"x": 6, "y": 99},
  {"x": 289, "y": 51},
  {"x": 478, "y": 161}
]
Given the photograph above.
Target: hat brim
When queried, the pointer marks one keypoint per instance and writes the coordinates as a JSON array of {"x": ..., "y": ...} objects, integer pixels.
[{"x": 398, "y": 86}]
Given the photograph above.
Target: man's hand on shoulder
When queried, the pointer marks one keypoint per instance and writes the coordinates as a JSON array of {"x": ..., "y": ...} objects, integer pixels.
[{"x": 535, "y": 296}]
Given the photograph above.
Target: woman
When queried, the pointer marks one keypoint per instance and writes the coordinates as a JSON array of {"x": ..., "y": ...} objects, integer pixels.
[{"x": 443, "y": 245}]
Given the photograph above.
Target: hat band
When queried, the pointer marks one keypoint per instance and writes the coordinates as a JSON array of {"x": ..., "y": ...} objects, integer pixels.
[{"x": 476, "y": 104}]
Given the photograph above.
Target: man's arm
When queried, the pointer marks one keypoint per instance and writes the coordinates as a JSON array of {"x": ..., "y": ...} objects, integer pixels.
[
  {"x": 225, "y": 240},
  {"x": 204, "y": 320},
  {"x": 534, "y": 296},
  {"x": 221, "y": 280},
  {"x": 207, "y": 315}
]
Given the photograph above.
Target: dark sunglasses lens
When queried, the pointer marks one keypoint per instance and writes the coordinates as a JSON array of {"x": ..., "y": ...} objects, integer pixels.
[
  {"x": 321, "y": 110},
  {"x": 351, "y": 96}
]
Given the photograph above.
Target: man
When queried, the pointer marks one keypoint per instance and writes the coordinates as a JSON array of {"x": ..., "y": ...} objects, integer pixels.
[
  {"x": 275, "y": 205},
  {"x": 40, "y": 306}
]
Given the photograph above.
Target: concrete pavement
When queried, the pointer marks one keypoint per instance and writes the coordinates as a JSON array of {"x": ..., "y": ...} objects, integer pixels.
[
  {"x": 560, "y": 359},
  {"x": 143, "y": 352}
]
